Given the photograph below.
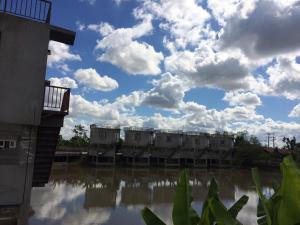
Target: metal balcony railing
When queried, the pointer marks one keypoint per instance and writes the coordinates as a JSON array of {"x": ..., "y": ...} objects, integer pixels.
[
  {"x": 57, "y": 99},
  {"x": 38, "y": 10}
]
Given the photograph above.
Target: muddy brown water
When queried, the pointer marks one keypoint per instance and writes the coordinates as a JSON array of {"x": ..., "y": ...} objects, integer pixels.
[{"x": 78, "y": 195}]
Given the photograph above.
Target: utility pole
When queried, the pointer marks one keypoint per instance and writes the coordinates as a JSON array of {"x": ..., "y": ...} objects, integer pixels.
[
  {"x": 273, "y": 139},
  {"x": 269, "y": 134}
]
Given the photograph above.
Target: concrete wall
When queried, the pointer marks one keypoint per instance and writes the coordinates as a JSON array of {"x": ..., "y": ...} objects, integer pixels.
[
  {"x": 14, "y": 163},
  {"x": 195, "y": 141},
  {"x": 220, "y": 142},
  {"x": 23, "y": 59},
  {"x": 168, "y": 140},
  {"x": 104, "y": 136},
  {"x": 138, "y": 138}
]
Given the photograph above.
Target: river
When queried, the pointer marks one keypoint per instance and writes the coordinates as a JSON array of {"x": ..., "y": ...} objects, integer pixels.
[{"x": 79, "y": 195}]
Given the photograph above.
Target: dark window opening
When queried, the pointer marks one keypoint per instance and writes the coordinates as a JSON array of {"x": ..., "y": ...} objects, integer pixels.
[{"x": 169, "y": 139}]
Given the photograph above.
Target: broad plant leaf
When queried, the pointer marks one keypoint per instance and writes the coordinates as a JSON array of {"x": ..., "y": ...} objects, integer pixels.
[
  {"x": 288, "y": 195},
  {"x": 237, "y": 206},
  {"x": 213, "y": 190},
  {"x": 263, "y": 201},
  {"x": 261, "y": 215},
  {"x": 150, "y": 218},
  {"x": 183, "y": 213},
  {"x": 283, "y": 208},
  {"x": 221, "y": 214},
  {"x": 207, "y": 218}
]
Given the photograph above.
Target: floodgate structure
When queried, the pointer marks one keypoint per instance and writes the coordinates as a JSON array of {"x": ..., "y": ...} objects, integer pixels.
[
  {"x": 32, "y": 110},
  {"x": 160, "y": 148}
]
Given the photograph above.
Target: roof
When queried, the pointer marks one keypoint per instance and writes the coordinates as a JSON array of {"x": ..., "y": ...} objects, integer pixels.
[
  {"x": 98, "y": 126},
  {"x": 141, "y": 129}
]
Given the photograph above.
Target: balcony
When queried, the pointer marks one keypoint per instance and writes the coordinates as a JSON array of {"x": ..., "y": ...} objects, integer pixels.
[
  {"x": 56, "y": 99},
  {"x": 37, "y": 10}
]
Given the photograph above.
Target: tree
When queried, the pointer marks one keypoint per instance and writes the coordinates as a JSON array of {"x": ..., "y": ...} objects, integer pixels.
[
  {"x": 241, "y": 138},
  {"x": 248, "y": 151},
  {"x": 289, "y": 143},
  {"x": 254, "y": 140},
  {"x": 80, "y": 138},
  {"x": 62, "y": 141}
]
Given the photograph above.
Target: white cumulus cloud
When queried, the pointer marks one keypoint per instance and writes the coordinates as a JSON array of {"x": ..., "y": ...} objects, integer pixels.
[
  {"x": 184, "y": 19},
  {"x": 121, "y": 48},
  {"x": 91, "y": 79},
  {"x": 63, "y": 82},
  {"x": 265, "y": 31},
  {"x": 244, "y": 98},
  {"x": 60, "y": 54},
  {"x": 168, "y": 92},
  {"x": 284, "y": 77},
  {"x": 295, "y": 111}
]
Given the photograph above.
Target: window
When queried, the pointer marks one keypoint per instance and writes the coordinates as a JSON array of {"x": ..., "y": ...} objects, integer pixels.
[
  {"x": 2, "y": 144},
  {"x": 102, "y": 134},
  {"x": 137, "y": 136},
  {"x": 222, "y": 142},
  {"x": 8, "y": 144},
  {"x": 169, "y": 139},
  {"x": 197, "y": 141},
  {"x": 12, "y": 144}
]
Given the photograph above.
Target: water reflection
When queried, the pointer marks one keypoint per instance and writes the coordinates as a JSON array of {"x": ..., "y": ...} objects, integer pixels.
[{"x": 88, "y": 196}]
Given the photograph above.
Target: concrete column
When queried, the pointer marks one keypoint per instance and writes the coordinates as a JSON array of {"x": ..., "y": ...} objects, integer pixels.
[{"x": 29, "y": 135}]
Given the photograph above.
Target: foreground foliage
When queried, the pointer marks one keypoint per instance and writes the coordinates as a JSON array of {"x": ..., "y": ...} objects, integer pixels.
[
  {"x": 213, "y": 210},
  {"x": 282, "y": 208}
]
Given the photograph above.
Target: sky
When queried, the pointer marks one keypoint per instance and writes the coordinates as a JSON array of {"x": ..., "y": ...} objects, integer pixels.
[{"x": 201, "y": 65}]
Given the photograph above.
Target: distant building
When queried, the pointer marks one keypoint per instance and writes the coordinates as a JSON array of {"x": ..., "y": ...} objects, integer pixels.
[
  {"x": 146, "y": 146},
  {"x": 104, "y": 135},
  {"x": 138, "y": 137},
  {"x": 168, "y": 139},
  {"x": 221, "y": 142},
  {"x": 195, "y": 140}
]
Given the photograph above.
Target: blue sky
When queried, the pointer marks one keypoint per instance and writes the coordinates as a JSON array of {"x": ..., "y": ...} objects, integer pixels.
[{"x": 192, "y": 65}]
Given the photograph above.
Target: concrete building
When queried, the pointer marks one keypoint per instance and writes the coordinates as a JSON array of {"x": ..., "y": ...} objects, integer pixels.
[
  {"x": 221, "y": 142},
  {"x": 195, "y": 140},
  {"x": 32, "y": 111},
  {"x": 221, "y": 150},
  {"x": 104, "y": 135},
  {"x": 148, "y": 147},
  {"x": 138, "y": 137},
  {"x": 168, "y": 139},
  {"x": 103, "y": 144}
]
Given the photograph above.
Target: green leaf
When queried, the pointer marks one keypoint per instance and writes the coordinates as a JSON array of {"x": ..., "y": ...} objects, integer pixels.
[
  {"x": 207, "y": 218},
  {"x": 289, "y": 193},
  {"x": 150, "y": 218},
  {"x": 222, "y": 216},
  {"x": 213, "y": 190},
  {"x": 237, "y": 206},
  {"x": 183, "y": 213},
  {"x": 275, "y": 186},
  {"x": 261, "y": 215},
  {"x": 264, "y": 201}
]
